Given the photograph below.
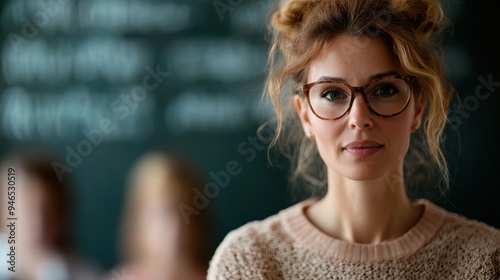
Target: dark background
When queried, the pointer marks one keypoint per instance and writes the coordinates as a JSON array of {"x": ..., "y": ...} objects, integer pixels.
[{"x": 64, "y": 72}]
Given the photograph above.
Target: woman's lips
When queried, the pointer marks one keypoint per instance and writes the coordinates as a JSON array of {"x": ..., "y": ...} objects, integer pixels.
[{"x": 363, "y": 148}]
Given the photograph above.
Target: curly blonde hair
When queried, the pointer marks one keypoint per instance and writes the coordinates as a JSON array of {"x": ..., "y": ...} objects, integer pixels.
[{"x": 300, "y": 29}]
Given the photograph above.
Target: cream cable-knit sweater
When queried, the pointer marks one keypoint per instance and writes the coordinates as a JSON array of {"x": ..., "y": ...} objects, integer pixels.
[{"x": 441, "y": 245}]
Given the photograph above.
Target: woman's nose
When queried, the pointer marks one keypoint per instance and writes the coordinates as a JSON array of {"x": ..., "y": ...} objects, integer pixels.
[{"x": 359, "y": 115}]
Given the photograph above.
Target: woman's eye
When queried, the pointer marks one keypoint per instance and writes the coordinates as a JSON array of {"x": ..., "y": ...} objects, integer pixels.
[
  {"x": 334, "y": 94},
  {"x": 385, "y": 91}
]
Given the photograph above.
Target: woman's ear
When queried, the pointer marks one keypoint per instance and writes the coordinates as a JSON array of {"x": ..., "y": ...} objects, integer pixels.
[
  {"x": 420, "y": 103},
  {"x": 302, "y": 110}
]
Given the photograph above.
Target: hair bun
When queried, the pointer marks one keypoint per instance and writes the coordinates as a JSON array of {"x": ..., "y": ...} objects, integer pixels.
[
  {"x": 288, "y": 16},
  {"x": 426, "y": 15}
]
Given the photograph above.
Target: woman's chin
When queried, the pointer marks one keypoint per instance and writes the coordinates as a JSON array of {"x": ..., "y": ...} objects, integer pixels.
[{"x": 364, "y": 174}]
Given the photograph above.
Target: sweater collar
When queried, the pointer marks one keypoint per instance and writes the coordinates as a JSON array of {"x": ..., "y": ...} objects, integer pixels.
[{"x": 301, "y": 229}]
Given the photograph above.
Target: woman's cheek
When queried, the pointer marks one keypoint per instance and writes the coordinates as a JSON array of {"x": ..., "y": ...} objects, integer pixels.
[{"x": 327, "y": 135}]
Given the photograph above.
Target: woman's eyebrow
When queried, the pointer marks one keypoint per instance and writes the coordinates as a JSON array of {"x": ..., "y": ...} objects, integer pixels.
[
  {"x": 376, "y": 76},
  {"x": 372, "y": 77},
  {"x": 332, "y": 79}
]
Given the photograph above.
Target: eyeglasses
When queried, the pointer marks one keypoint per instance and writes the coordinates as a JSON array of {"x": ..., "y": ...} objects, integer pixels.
[{"x": 386, "y": 96}]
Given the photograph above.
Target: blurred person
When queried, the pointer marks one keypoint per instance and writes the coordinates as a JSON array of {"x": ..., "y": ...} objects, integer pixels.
[
  {"x": 159, "y": 242},
  {"x": 43, "y": 206},
  {"x": 353, "y": 84}
]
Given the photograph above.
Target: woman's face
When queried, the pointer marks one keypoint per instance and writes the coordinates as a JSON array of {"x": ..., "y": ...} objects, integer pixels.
[
  {"x": 356, "y": 59},
  {"x": 38, "y": 228},
  {"x": 159, "y": 228}
]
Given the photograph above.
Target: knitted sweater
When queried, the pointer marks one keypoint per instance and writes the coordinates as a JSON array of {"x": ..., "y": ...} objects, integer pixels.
[{"x": 442, "y": 245}]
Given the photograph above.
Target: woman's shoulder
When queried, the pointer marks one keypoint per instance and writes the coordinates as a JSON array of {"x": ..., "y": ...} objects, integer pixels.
[
  {"x": 252, "y": 247},
  {"x": 471, "y": 235},
  {"x": 467, "y": 246},
  {"x": 256, "y": 234}
]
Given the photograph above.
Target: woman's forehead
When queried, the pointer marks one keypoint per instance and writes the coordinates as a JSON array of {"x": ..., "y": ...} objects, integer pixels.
[{"x": 354, "y": 58}]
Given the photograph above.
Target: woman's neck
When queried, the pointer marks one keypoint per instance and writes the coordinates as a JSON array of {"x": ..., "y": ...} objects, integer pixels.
[{"x": 367, "y": 212}]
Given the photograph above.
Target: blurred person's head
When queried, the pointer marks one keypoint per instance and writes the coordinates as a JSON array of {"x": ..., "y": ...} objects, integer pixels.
[
  {"x": 154, "y": 228},
  {"x": 42, "y": 203}
]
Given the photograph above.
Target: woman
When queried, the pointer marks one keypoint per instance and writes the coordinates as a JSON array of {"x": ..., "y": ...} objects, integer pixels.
[
  {"x": 159, "y": 242},
  {"x": 364, "y": 81},
  {"x": 42, "y": 236}
]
